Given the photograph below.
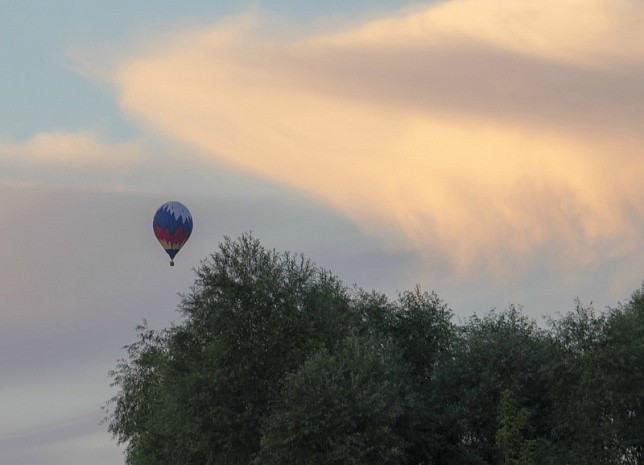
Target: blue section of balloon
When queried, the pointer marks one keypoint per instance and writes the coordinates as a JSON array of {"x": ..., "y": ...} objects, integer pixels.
[{"x": 172, "y": 252}]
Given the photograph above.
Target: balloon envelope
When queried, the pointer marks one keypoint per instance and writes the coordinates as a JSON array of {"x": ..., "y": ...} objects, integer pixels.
[{"x": 172, "y": 226}]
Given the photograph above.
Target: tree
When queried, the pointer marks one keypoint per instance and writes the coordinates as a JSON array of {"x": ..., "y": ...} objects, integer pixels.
[
  {"x": 140, "y": 412},
  {"x": 501, "y": 351},
  {"x": 340, "y": 408},
  {"x": 198, "y": 392},
  {"x": 583, "y": 429},
  {"x": 623, "y": 363},
  {"x": 421, "y": 326}
]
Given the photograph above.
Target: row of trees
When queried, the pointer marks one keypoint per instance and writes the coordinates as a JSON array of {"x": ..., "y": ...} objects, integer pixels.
[{"x": 275, "y": 361}]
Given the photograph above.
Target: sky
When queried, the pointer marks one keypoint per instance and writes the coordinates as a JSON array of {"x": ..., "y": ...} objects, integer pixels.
[{"x": 487, "y": 150}]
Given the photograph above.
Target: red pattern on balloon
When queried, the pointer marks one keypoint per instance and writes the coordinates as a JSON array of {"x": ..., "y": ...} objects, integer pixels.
[{"x": 171, "y": 241}]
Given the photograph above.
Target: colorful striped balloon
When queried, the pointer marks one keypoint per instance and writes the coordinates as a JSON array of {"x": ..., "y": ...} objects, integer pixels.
[{"x": 172, "y": 226}]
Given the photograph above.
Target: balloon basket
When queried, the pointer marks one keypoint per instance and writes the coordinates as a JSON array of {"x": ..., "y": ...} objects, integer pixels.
[{"x": 171, "y": 262}]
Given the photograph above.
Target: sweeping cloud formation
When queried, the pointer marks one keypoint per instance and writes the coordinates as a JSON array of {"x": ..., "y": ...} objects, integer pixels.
[{"x": 486, "y": 133}]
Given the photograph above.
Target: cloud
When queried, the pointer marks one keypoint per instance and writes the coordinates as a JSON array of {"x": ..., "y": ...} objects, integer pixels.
[
  {"x": 487, "y": 134},
  {"x": 594, "y": 33},
  {"x": 73, "y": 150}
]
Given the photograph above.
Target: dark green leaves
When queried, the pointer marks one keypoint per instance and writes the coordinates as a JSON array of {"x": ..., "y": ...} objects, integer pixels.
[{"x": 340, "y": 408}]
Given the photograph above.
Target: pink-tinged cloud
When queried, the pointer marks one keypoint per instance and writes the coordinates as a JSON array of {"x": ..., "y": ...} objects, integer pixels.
[
  {"x": 79, "y": 150},
  {"x": 488, "y": 133}
]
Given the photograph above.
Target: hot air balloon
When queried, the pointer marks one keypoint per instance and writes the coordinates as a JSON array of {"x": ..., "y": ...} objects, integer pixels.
[{"x": 172, "y": 226}]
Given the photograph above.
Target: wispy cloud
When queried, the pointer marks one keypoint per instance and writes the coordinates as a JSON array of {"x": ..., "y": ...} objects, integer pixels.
[
  {"x": 83, "y": 150},
  {"x": 486, "y": 133},
  {"x": 595, "y": 33}
]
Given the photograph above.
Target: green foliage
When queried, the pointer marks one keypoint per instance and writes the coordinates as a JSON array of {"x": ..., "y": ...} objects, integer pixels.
[
  {"x": 340, "y": 409},
  {"x": 623, "y": 362},
  {"x": 516, "y": 449},
  {"x": 276, "y": 361},
  {"x": 598, "y": 384},
  {"x": 583, "y": 428},
  {"x": 500, "y": 351}
]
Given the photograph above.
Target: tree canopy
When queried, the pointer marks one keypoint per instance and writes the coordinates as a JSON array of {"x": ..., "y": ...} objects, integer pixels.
[{"x": 276, "y": 361}]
